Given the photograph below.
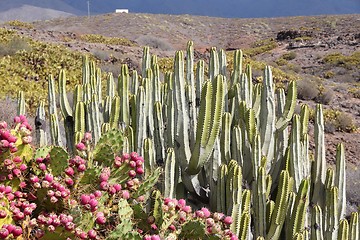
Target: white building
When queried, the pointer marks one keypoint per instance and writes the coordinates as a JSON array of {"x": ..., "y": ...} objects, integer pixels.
[{"x": 122, "y": 10}]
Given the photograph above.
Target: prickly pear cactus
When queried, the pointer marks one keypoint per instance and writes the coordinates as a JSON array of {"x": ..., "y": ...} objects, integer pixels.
[
  {"x": 108, "y": 146},
  {"x": 125, "y": 229},
  {"x": 59, "y": 160},
  {"x": 149, "y": 183},
  {"x": 193, "y": 230}
]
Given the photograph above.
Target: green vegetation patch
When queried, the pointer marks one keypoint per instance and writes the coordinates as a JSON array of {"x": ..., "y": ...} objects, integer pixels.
[
  {"x": 20, "y": 24},
  {"x": 278, "y": 74},
  {"x": 289, "y": 56},
  {"x": 283, "y": 59},
  {"x": 260, "y": 47},
  {"x": 28, "y": 69},
  {"x": 96, "y": 38},
  {"x": 166, "y": 64},
  {"x": 303, "y": 39},
  {"x": 340, "y": 60},
  {"x": 10, "y": 44},
  {"x": 329, "y": 74},
  {"x": 336, "y": 120}
]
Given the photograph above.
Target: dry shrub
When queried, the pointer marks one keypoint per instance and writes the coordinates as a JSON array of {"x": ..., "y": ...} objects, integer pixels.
[
  {"x": 113, "y": 68},
  {"x": 341, "y": 89},
  {"x": 346, "y": 122},
  {"x": 14, "y": 45},
  {"x": 307, "y": 89},
  {"x": 330, "y": 126},
  {"x": 336, "y": 120},
  {"x": 326, "y": 97},
  {"x": 154, "y": 42},
  {"x": 8, "y": 109},
  {"x": 102, "y": 55},
  {"x": 353, "y": 186}
]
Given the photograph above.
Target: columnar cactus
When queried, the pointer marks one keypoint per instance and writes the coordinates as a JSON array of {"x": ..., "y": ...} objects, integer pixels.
[{"x": 211, "y": 134}]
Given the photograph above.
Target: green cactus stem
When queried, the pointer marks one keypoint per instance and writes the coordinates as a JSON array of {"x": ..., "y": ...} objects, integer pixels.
[
  {"x": 237, "y": 66},
  {"x": 244, "y": 226},
  {"x": 40, "y": 125},
  {"x": 110, "y": 85},
  {"x": 289, "y": 108},
  {"x": 80, "y": 118},
  {"x": 354, "y": 226},
  {"x": 95, "y": 118},
  {"x": 146, "y": 61},
  {"x": 115, "y": 112},
  {"x": 298, "y": 216},
  {"x": 316, "y": 223},
  {"x": 259, "y": 190},
  {"x": 267, "y": 116},
  {"x": 221, "y": 188},
  {"x": 319, "y": 169},
  {"x": 123, "y": 86},
  {"x": 54, "y": 121},
  {"x": 200, "y": 79},
  {"x": 64, "y": 102},
  {"x": 171, "y": 174},
  {"x": 21, "y": 103},
  {"x": 331, "y": 213},
  {"x": 340, "y": 179},
  {"x": 225, "y": 137},
  {"x": 208, "y": 125},
  {"x": 282, "y": 200},
  {"x": 181, "y": 136},
  {"x": 149, "y": 156},
  {"x": 296, "y": 161},
  {"x": 140, "y": 132},
  {"x": 233, "y": 189},
  {"x": 159, "y": 141},
  {"x": 343, "y": 230}
]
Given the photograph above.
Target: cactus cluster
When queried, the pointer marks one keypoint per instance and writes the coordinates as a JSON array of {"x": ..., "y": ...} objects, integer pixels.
[
  {"x": 45, "y": 193},
  {"x": 222, "y": 140}
]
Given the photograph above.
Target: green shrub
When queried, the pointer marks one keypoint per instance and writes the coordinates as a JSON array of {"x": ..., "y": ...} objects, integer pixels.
[
  {"x": 260, "y": 47},
  {"x": 166, "y": 64},
  {"x": 336, "y": 120},
  {"x": 338, "y": 59},
  {"x": 355, "y": 92},
  {"x": 20, "y": 24},
  {"x": 303, "y": 39},
  {"x": 95, "y": 38},
  {"x": 329, "y": 74},
  {"x": 289, "y": 56},
  {"x": 281, "y": 62},
  {"x": 28, "y": 70},
  {"x": 258, "y": 66}
]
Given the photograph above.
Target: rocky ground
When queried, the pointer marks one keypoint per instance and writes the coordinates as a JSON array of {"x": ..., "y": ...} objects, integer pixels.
[{"x": 308, "y": 39}]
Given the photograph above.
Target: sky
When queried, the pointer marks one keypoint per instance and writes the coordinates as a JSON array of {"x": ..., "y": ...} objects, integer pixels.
[{"x": 228, "y": 8}]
